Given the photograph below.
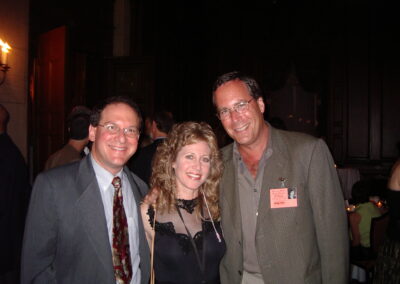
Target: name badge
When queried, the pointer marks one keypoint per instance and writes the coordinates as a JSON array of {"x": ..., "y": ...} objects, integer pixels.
[{"x": 283, "y": 197}]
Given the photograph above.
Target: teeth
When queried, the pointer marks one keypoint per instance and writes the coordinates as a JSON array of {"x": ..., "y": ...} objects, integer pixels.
[
  {"x": 118, "y": 148},
  {"x": 241, "y": 128},
  {"x": 194, "y": 176}
]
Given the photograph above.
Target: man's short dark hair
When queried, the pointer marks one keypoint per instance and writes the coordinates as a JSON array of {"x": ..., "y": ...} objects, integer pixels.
[
  {"x": 78, "y": 126},
  {"x": 164, "y": 121},
  {"x": 78, "y": 122},
  {"x": 98, "y": 109},
  {"x": 252, "y": 85}
]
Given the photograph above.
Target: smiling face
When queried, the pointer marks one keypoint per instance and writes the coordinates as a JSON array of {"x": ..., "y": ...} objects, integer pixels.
[
  {"x": 112, "y": 151},
  {"x": 192, "y": 167},
  {"x": 245, "y": 128}
]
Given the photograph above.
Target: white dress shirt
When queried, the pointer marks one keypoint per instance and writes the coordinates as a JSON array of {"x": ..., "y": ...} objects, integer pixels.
[{"x": 104, "y": 179}]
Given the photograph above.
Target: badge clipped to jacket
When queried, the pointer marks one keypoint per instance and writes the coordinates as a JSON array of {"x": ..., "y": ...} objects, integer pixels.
[{"x": 283, "y": 197}]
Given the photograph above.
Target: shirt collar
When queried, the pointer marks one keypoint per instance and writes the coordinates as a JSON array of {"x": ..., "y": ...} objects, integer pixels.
[{"x": 104, "y": 177}]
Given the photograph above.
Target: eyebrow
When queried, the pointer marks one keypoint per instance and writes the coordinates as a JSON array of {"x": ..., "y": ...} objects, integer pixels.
[
  {"x": 106, "y": 122},
  {"x": 238, "y": 102}
]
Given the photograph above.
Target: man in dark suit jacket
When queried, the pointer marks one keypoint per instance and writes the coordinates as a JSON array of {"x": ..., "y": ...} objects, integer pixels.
[
  {"x": 141, "y": 162},
  {"x": 69, "y": 235},
  {"x": 270, "y": 237},
  {"x": 14, "y": 198}
]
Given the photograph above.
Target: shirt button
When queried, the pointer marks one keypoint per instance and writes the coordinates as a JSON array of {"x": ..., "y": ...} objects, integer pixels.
[{"x": 257, "y": 213}]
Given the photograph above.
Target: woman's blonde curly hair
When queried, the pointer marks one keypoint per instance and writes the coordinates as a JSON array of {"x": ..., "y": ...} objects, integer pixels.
[{"x": 163, "y": 175}]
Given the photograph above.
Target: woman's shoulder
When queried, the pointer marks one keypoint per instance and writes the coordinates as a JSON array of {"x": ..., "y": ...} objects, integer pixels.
[{"x": 148, "y": 212}]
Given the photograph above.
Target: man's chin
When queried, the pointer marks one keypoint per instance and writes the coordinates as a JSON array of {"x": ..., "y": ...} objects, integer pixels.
[
  {"x": 119, "y": 163},
  {"x": 241, "y": 139}
]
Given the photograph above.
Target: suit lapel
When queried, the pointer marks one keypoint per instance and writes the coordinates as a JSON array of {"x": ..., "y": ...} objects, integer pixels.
[
  {"x": 135, "y": 187},
  {"x": 91, "y": 207},
  {"x": 275, "y": 168},
  {"x": 139, "y": 193},
  {"x": 230, "y": 197}
]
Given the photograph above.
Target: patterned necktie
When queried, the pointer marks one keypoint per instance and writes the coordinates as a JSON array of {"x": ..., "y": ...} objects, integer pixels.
[{"x": 120, "y": 243}]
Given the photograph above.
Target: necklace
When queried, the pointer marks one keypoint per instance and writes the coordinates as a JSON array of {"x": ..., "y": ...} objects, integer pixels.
[{"x": 187, "y": 205}]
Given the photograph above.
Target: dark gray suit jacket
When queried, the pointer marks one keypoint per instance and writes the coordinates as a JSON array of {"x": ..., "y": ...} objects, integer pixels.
[
  {"x": 66, "y": 237},
  {"x": 303, "y": 244}
]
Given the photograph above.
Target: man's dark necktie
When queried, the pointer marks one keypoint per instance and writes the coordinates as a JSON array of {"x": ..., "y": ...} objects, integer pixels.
[{"x": 120, "y": 242}]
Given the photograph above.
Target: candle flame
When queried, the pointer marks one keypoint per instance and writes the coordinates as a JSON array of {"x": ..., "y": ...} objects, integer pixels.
[{"x": 5, "y": 47}]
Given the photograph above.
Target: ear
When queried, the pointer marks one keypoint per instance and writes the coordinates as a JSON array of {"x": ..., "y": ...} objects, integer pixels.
[
  {"x": 92, "y": 133},
  {"x": 261, "y": 105}
]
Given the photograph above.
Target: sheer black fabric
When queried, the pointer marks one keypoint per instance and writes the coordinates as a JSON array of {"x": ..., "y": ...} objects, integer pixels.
[{"x": 174, "y": 257}]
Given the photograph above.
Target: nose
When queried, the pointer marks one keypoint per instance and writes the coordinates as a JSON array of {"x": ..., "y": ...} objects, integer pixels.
[
  {"x": 197, "y": 164},
  {"x": 121, "y": 136},
  {"x": 234, "y": 115}
]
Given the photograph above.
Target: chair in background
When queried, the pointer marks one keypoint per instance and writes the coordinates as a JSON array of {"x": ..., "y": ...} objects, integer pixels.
[
  {"x": 378, "y": 230},
  {"x": 377, "y": 236}
]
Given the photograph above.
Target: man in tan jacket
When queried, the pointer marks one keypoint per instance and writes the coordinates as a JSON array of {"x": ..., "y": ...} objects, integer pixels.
[{"x": 270, "y": 237}]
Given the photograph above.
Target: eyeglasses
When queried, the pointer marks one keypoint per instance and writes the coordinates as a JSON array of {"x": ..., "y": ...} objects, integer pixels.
[
  {"x": 240, "y": 107},
  {"x": 113, "y": 129}
]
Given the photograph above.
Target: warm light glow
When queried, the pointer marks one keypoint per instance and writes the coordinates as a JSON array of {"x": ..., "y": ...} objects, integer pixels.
[{"x": 5, "y": 49}]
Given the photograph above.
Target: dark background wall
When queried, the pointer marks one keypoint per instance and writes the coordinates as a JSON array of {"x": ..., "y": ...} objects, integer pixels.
[{"x": 341, "y": 54}]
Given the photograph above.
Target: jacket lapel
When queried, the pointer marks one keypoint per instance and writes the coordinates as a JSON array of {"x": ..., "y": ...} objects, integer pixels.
[
  {"x": 275, "y": 168},
  {"x": 137, "y": 193},
  {"x": 230, "y": 196},
  {"x": 92, "y": 211}
]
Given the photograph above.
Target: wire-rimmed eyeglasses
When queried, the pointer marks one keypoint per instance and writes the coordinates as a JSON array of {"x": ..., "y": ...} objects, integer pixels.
[
  {"x": 240, "y": 107},
  {"x": 114, "y": 129}
]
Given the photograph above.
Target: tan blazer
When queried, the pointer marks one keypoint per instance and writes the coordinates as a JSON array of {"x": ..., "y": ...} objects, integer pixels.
[{"x": 303, "y": 244}]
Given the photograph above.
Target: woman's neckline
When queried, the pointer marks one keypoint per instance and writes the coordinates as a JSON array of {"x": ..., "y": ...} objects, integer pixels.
[{"x": 187, "y": 204}]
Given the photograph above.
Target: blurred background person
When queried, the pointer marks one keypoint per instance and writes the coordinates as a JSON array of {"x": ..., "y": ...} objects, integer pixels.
[
  {"x": 360, "y": 227},
  {"x": 78, "y": 130},
  {"x": 145, "y": 137},
  {"x": 158, "y": 127},
  {"x": 188, "y": 244},
  {"x": 360, "y": 220},
  {"x": 14, "y": 199}
]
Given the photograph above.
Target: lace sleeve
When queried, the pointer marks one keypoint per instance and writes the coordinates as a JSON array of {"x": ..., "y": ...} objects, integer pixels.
[{"x": 150, "y": 213}]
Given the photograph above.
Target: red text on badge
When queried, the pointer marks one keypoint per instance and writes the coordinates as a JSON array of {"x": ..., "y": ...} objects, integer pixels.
[{"x": 279, "y": 198}]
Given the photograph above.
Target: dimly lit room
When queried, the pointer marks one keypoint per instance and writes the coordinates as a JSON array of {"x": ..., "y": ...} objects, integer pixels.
[{"x": 329, "y": 69}]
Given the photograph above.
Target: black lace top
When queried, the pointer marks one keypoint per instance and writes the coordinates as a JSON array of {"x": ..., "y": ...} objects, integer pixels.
[{"x": 174, "y": 257}]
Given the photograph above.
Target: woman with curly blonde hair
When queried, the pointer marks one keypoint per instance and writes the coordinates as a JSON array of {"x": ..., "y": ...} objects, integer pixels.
[{"x": 187, "y": 239}]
